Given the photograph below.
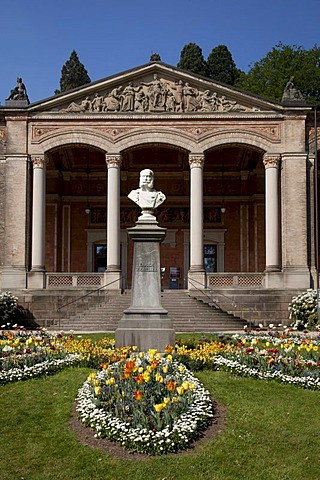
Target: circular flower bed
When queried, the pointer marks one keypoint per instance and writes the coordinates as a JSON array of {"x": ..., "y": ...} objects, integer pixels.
[{"x": 148, "y": 403}]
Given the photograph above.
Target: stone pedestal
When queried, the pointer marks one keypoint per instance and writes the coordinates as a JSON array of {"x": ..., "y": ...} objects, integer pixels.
[
  {"x": 17, "y": 103},
  {"x": 146, "y": 323}
]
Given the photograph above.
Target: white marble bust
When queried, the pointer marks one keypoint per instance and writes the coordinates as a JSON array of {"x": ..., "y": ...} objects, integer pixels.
[{"x": 147, "y": 197}]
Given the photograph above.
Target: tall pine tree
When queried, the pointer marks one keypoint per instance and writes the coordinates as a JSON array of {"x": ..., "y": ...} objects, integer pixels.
[
  {"x": 73, "y": 74},
  {"x": 221, "y": 66},
  {"x": 191, "y": 59}
]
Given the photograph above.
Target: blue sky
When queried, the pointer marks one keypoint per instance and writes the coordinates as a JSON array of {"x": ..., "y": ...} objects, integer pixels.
[{"x": 110, "y": 36}]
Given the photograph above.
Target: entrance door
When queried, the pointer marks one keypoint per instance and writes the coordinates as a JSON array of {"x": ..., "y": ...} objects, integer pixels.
[
  {"x": 100, "y": 258},
  {"x": 210, "y": 257}
]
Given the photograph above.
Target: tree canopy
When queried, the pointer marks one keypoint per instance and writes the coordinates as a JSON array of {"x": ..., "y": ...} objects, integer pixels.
[
  {"x": 191, "y": 59},
  {"x": 221, "y": 66},
  {"x": 269, "y": 76},
  {"x": 73, "y": 74}
]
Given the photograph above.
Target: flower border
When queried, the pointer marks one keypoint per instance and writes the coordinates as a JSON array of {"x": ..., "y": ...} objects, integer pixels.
[
  {"x": 44, "y": 368},
  {"x": 238, "y": 368}
]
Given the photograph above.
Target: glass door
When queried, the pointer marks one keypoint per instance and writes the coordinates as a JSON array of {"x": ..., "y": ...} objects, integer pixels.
[
  {"x": 100, "y": 258},
  {"x": 210, "y": 258}
]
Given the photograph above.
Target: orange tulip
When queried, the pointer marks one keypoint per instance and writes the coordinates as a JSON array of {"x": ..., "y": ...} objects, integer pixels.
[
  {"x": 139, "y": 378},
  {"x": 171, "y": 385},
  {"x": 138, "y": 395}
]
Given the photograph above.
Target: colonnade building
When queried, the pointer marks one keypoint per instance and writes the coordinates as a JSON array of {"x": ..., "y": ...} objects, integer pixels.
[{"x": 237, "y": 171}]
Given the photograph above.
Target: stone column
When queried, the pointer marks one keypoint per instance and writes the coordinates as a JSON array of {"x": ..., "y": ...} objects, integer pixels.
[
  {"x": 113, "y": 274},
  {"x": 38, "y": 251},
  {"x": 294, "y": 221},
  {"x": 272, "y": 217},
  {"x": 196, "y": 275}
]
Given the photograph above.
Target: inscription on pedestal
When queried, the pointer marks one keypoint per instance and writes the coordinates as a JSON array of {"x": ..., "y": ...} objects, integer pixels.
[{"x": 146, "y": 268}]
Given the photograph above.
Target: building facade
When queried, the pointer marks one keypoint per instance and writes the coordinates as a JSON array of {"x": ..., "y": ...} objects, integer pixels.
[{"x": 237, "y": 171}]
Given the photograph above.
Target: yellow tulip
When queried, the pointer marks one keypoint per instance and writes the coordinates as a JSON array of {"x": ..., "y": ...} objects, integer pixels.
[
  {"x": 180, "y": 390},
  {"x": 146, "y": 377},
  {"x": 159, "y": 377},
  {"x": 152, "y": 352},
  {"x": 158, "y": 407}
]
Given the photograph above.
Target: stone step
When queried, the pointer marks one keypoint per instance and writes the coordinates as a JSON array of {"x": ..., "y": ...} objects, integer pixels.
[
  {"x": 186, "y": 313},
  {"x": 242, "y": 306}
]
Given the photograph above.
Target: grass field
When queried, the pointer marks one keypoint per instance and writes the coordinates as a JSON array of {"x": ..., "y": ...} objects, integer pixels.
[{"x": 272, "y": 432}]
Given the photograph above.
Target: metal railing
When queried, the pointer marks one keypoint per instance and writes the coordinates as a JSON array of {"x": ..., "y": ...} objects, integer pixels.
[
  {"x": 216, "y": 302},
  {"x": 88, "y": 294},
  {"x": 210, "y": 296}
]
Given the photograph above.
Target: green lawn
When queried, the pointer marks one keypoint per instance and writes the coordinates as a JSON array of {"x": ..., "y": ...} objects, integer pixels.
[{"x": 272, "y": 432}]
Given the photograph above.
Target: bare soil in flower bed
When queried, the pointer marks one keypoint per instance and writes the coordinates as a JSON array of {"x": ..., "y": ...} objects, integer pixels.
[{"x": 87, "y": 436}]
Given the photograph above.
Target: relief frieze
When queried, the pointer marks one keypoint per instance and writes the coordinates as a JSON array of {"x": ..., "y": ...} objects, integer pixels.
[{"x": 159, "y": 95}]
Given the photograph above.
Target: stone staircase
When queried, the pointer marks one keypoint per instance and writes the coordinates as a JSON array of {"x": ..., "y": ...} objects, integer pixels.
[
  {"x": 187, "y": 314},
  {"x": 220, "y": 310},
  {"x": 253, "y": 306}
]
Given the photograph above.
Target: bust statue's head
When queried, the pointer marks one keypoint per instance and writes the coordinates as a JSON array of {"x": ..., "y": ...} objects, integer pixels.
[{"x": 146, "y": 178}]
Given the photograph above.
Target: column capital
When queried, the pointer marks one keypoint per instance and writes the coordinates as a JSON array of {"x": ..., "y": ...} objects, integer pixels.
[
  {"x": 39, "y": 161},
  {"x": 196, "y": 160},
  {"x": 271, "y": 160},
  {"x": 113, "y": 160}
]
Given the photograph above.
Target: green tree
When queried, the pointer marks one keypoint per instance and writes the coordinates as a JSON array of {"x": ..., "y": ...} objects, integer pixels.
[
  {"x": 268, "y": 77},
  {"x": 221, "y": 66},
  {"x": 191, "y": 59},
  {"x": 73, "y": 74}
]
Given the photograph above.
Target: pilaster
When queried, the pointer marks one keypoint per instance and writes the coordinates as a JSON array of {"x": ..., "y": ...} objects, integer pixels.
[
  {"x": 294, "y": 220},
  {"x": 14, "y": 245}
]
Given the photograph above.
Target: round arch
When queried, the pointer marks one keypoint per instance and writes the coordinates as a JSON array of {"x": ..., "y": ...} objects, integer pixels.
[
  {"x": 241, "y": 137},
  {"x": 168, "y": 137},
  {"x": 60, "y": 139}
]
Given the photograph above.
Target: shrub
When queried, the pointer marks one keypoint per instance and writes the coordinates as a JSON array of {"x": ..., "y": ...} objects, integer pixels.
[
  {"x": 8, "y": 304},
  {"x": 303, "y": 310}
]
